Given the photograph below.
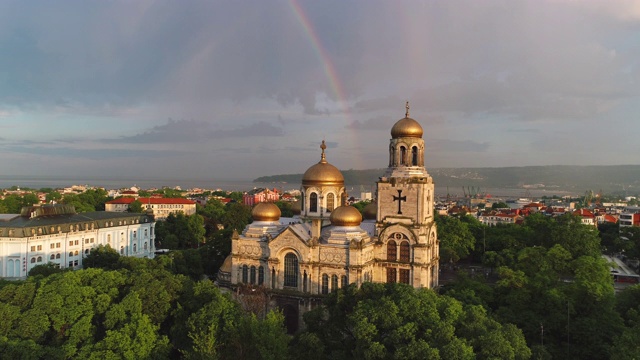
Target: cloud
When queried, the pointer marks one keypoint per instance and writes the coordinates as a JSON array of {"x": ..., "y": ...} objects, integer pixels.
[
  {"x": 69, "y": 153},
  {"x": 184, "y": 131}
]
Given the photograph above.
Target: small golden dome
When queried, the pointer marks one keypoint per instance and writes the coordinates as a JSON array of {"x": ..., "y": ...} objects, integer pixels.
[
  {"x": 265, "y": 212},
  {"x": 406, "y": 127},
  {"x": 323, "y": 173},
  {"x": 296, "y": 207},
  {"x": 345, "y": 216},
  {"x": 370, "y": 211}
]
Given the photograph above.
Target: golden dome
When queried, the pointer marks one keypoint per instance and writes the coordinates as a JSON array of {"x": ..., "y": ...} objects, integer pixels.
[
  {"x": 296, "y": 207},
  {"x": 345, "y": 216},
  {"x": 323, "y": 173},
  {"x": 265, "y": 212},
  {"x": 370, "y": 211},
  {"x": 406, "y": 127}
]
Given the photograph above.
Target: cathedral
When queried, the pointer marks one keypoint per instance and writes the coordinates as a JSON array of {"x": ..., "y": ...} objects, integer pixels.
[{"x": 331, "y": 245}]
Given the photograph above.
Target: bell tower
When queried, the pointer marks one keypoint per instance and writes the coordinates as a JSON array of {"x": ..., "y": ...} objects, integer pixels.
[{"x": 405, "y": 222}]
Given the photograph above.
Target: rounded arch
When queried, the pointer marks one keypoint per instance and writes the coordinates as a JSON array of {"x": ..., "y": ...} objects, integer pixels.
[
  {"x": 313, "y": 202},
  {"x": 291, "y": 270}
]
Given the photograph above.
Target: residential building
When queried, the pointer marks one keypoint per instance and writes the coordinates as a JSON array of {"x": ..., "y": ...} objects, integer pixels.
[
  {"x": 57, "y": 234},
  {"x": 630, "y": 216},
  {"x": 259, "y": 195},
  {"x": 161, "y": 207}
]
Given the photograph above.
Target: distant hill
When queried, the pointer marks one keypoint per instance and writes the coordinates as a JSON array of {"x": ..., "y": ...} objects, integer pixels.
[{"x": 614, "y": 178}]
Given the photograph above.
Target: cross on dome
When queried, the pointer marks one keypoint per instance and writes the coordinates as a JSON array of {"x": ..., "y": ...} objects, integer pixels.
[
  {"x": 323, "y": 147},
  {"x": 406, "y": 114}
]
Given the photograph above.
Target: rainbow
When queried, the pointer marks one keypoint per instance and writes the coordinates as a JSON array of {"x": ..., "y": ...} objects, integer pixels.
[{"x": 329, "y": 68}]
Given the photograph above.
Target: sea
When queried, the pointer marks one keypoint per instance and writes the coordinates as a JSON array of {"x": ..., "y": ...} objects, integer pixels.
[{"x": 38, "y": 182}]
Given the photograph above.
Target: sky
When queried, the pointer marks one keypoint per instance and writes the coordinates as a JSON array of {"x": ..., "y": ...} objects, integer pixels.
[{"x": 233, "y": 90}]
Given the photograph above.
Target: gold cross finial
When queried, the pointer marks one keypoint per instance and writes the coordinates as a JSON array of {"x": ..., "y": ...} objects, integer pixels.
[
  {"x": 323, "y": 147},
  {"x": 406, "y": 114}
]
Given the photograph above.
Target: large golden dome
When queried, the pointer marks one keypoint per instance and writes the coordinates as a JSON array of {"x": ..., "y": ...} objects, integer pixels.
[
  {"x": 345, "y": 216},
  {"x": 323, "y": 173},
  {"x": 370, "y": 211},
  {"x": 406, "y": 127},
  {"x": 265, "y": 212}
]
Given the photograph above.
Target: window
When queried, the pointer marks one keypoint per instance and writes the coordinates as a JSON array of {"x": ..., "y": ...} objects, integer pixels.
[
  {"x": 70, "y": 253},
  {"x": 403, "y": 155},
  {"x": 391, "y": 275},
  {"x": 313, "y": 202},
  {"x": 52, "y": 257},
  {"x": 304, "y": 282},
  {"x": 75, "y": 262},
  {"x": 33, "y": 260},
  {"x": 392, "y": 251},
  {"x": 273, "y": 278},
  {"x": 57, "y": 245},
  {"x": 134, "y": 234},
  {"x": 405, "y": 251},
  {"x": 145, "y": 246},
  {"x": 92, "y": 240},
  {"x": 325, "y": 284},
  {"x": 71, "y": 243},
  {"x": 121, "y": 250},
  {"x": 414, "y": 156},
  {"x": 76, "y": 242},
  {"x": 33, "y": 249},
  {"x": 70, "y": 263},
  {"x": 252, "y": 277},
  {"x": 344, "y": 281},
  {"x": 404, "y": 276},
  {"x": 245, "y": 274},
  {"x": 135, "y": 248},
  {"x": 86, "y": 241},
  {"x": 86, "y": 251},
  {"x": 39, "y": 258},
  {"x": 39, "y": 247},
  {"x": 57, "y": 256},
  {"x": 334, "y": 282},
  {"x": 145, "y": 233},
  {"x": 260, "y": 275},
  {"x": 330, "y": 202},
  {"x": 109, "y": 238},
  {"x": 291, "y": 270},
  {"x": 76, "y": 253},
  {"x": 52, "y": 246}
]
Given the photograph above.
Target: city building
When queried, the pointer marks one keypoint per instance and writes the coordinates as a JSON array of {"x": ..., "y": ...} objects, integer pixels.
[
  {"x": 57, "y": 234},
  {"x": 630, "y": 216},
  {"x": 161, "y": 207},
  {"x": 259, "y": 195},
  {"x": 332, "y": 246}
]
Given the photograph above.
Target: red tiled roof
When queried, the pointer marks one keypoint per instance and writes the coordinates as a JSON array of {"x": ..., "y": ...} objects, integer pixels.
[{"x": 153, "y": 200}]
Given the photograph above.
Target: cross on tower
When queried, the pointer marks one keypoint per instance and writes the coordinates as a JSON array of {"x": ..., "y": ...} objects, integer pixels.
[{"x": 399, "y": 199}]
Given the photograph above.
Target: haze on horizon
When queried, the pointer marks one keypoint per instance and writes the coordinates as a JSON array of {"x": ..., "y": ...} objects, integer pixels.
[{"x": 237, "y": 90}]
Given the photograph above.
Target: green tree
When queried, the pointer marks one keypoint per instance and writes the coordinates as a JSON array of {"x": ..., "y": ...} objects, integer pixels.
[
  {"x": 456, "y": 241},
  {"x": 103, "y": 257},
  {"x": 136, "y": 207}
]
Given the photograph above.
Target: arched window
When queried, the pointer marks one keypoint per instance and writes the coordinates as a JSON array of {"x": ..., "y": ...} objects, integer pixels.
[
  {"x": 403, "y": 155},
  {"x": 86, "y": 251},
  {"x": 344, "y": 281},
  {"x": 135, "y": 248},
  {"x": 76, "y": 253},
  {"x": 392, "y": 155},
  {"x": 414, "y": 156},
  {"x": 121, "y": 250},
  {"x": 145, "y": 246},
  {"x": 71, "y": 253},
  {"x": 33, "y": 260},
  {"x": 291, "y": 270},
  {"x": 334, "y": 282},
  {"x": 325, "y": 284},
  {"x": 392, "y": 251},
  {"x": 405, "y": 251},
  {"x": 245, "y": 274},
  {"x": 273, "y": 278},
  {"x": 39, "y": 258},
  {"x": 304, "y": 282},
  {"x": 52, "y": 257},
  {"x": 302, "y": 201},
  {"x": 313, "y": 202},
  {"x": 57, "y": 256},
  {"x": 145, "y": 233},
  {"x": 260, "y": 275},
  {"x": 330, "y": 202},
  {"x": 252, "y": 277}
]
